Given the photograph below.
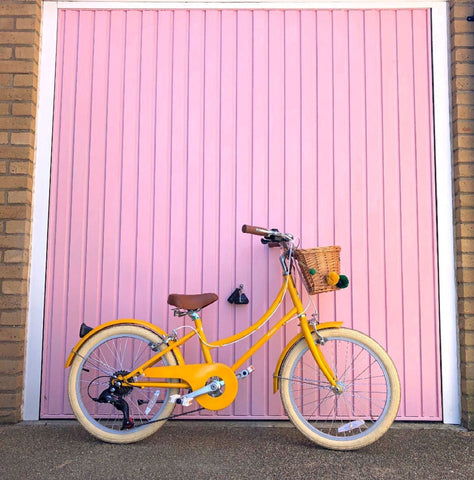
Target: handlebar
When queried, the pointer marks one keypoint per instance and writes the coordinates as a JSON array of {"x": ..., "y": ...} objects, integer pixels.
[
  {"x": 272, "y": 238},
  {"x": 256, "y": 230}
]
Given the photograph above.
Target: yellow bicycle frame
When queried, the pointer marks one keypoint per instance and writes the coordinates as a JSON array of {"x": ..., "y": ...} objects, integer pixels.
[
  {"x": 296, "y": 311},
  {"x": 194, "y": 376}
]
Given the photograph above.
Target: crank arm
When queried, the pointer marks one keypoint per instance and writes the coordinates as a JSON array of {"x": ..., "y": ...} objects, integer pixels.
[{"x": 187, "y": 399}]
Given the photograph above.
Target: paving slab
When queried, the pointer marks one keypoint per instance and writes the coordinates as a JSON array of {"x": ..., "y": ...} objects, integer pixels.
[{"x": 231, "y": 450}]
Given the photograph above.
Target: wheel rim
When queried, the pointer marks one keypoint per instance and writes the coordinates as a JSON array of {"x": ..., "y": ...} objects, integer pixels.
[
  {"x": 120, "y": 353},
  {"x": 358, "y": 409}
]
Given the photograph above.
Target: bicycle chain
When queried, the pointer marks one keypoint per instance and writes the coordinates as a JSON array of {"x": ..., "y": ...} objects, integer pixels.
[{"x": 174, "y": 416}]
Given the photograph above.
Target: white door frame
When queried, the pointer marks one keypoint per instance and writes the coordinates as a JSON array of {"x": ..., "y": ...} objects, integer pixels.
[{"x": 450, "y": 374}]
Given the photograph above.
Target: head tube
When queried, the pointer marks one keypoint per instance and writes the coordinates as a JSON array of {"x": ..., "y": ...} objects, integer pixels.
[{"x": 284, "y": 266}]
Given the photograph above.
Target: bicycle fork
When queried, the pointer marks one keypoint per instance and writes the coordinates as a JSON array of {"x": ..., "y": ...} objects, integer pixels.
[{"x": 313, "y": 346}]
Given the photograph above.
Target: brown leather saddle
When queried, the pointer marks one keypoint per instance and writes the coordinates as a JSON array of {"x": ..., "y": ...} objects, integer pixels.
[{"x": 192, "y": 302}]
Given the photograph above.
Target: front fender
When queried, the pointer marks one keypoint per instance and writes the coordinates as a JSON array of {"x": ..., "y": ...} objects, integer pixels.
[
  {"x": 291, "y": 343},
  {"x": 140, "y": 323}
]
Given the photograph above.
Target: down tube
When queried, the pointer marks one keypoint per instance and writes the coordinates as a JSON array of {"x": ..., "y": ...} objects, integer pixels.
[{"x": 292, "y": 313}]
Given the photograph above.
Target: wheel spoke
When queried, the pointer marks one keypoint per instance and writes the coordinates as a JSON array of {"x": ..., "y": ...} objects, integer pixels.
[
  {"x": 116, "y": 351},
  {"x": 369, "y": 391}
]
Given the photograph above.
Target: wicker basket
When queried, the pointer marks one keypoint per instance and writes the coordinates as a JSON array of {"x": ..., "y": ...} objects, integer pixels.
[{"x": 323, "y": 260}]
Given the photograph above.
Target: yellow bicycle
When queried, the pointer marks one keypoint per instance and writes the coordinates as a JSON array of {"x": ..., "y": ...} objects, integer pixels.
[{"x": 338, "y": 386}]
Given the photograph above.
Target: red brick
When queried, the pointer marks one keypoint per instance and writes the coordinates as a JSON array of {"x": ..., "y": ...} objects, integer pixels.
[
  {"x": 19, "y": 38},
  {"x": 9, "y": 398},
  {"x": 15, "y": 256},
  {"x": 11, "y": 366},
  {"x": 24, "y": 108},
  {"x": 14, "y": 241},
  {"x": 467, "y": 355},
  {"x": 464, "y": 185},
  {"x": 12, "y": 382},
  {"x": 466, "y": 215},
  {"x": 461, "y": 26},
  {"x": 16, "y": 182},
  {"x": 464, "y": 83},
  {"x": 464, "y": 112},
  {"x": 22, "y": 138},
  {"x": 15, "y": 211},
  {"x": 17, "y": 226},
  {"x": 6, "y": 53},
  {"x": 459, "y": 10},
  {"x": 462, "y": 40},
  {"x": 464, "y": 69},
  {"x": 463, "y": 141},
  {"x": 463, "y": 162},
  {"x": 16, "y": 123},
  {"x": 13, "y": 318},
  {"x": 19, "y": 9},
  {"x": 5, "y": 109},
  {"x": 6, "y": 80},
  {"x": 6, "y": 23},
  {"x": 17, "y": 94},
  {"x": 12, "y": 334},
  {"x": 15, "y": 287},
  {"x": 21, "y": 168},
  {"x": 25, "y": 80},
  {"x": 31, "y": 23},
  {"x": 462, "y": 55},
  {"x": 464, "y": 230},
  {"x": 19, "y": 196},
  {"x": 19, "y": 66},
  {"x": 13, "y": 302},
  {"x": 25, "y": 53}
]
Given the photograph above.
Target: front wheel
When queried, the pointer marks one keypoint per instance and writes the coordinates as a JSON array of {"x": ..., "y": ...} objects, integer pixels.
[
  {"x": 111, "y": 412},
  {"x": 368, "y": 398}
]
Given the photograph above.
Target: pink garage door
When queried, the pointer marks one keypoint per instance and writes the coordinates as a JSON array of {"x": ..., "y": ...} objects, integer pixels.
[{"x": 173, "y": 128}]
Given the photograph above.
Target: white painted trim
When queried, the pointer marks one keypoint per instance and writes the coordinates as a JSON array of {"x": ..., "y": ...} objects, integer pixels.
[
  {"x": 262, "y": 4},
  {"x": 443, "y": 149},
  {"x": 34, "y": 346},
  {"x": 313, "y": 3},
  {"x": 450, "y": 374}
]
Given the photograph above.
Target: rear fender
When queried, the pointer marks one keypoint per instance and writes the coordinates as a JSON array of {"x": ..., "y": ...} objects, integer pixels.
[
  {"x": 291, "y": 344},
  {"x": 113, "y": 323}
]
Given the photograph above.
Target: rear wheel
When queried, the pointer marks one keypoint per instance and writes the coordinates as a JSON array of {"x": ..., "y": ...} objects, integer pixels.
[
  {"x": 114, "y": 412},
  {"x": 368, "y": 400}
]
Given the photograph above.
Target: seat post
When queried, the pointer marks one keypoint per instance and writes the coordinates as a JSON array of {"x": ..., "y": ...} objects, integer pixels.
[{"x": 194, "y": 315}]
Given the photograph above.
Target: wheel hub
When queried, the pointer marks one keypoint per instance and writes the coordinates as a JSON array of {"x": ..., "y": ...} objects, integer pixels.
[
  {"x": 338, "y": 388},
  {"x": 116, "y": 383}
]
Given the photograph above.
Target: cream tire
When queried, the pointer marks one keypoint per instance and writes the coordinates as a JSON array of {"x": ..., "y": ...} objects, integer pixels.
[
  {"x": 364, "y": 410},
  {"x": 102, "y": 420}
]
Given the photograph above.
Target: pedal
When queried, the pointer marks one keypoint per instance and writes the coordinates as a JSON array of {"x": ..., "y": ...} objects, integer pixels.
[
  {"x": 174, "y": 398},
  {"x": 181, "y": 400},
  {"x": 245, "y": 373},
  {"x": 185, "y": 402}
]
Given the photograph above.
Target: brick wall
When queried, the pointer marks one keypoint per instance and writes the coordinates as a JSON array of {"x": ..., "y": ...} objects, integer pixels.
[
  {"x": 462, "y": 83},
  {"x": 19, "y": 52}
]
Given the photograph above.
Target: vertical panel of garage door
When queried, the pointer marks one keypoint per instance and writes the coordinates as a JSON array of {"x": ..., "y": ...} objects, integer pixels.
[{"x": 173, "y": 128}]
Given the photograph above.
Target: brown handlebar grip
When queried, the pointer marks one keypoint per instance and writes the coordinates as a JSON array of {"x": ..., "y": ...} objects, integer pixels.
[{"x": 255, "y": 230}]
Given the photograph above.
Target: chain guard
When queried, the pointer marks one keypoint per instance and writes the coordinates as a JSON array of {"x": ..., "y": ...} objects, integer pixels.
[{"x": 197, "y": 375}]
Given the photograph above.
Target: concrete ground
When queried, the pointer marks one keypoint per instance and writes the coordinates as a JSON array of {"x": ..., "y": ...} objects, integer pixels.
[{"x": 231, "y": 450}]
